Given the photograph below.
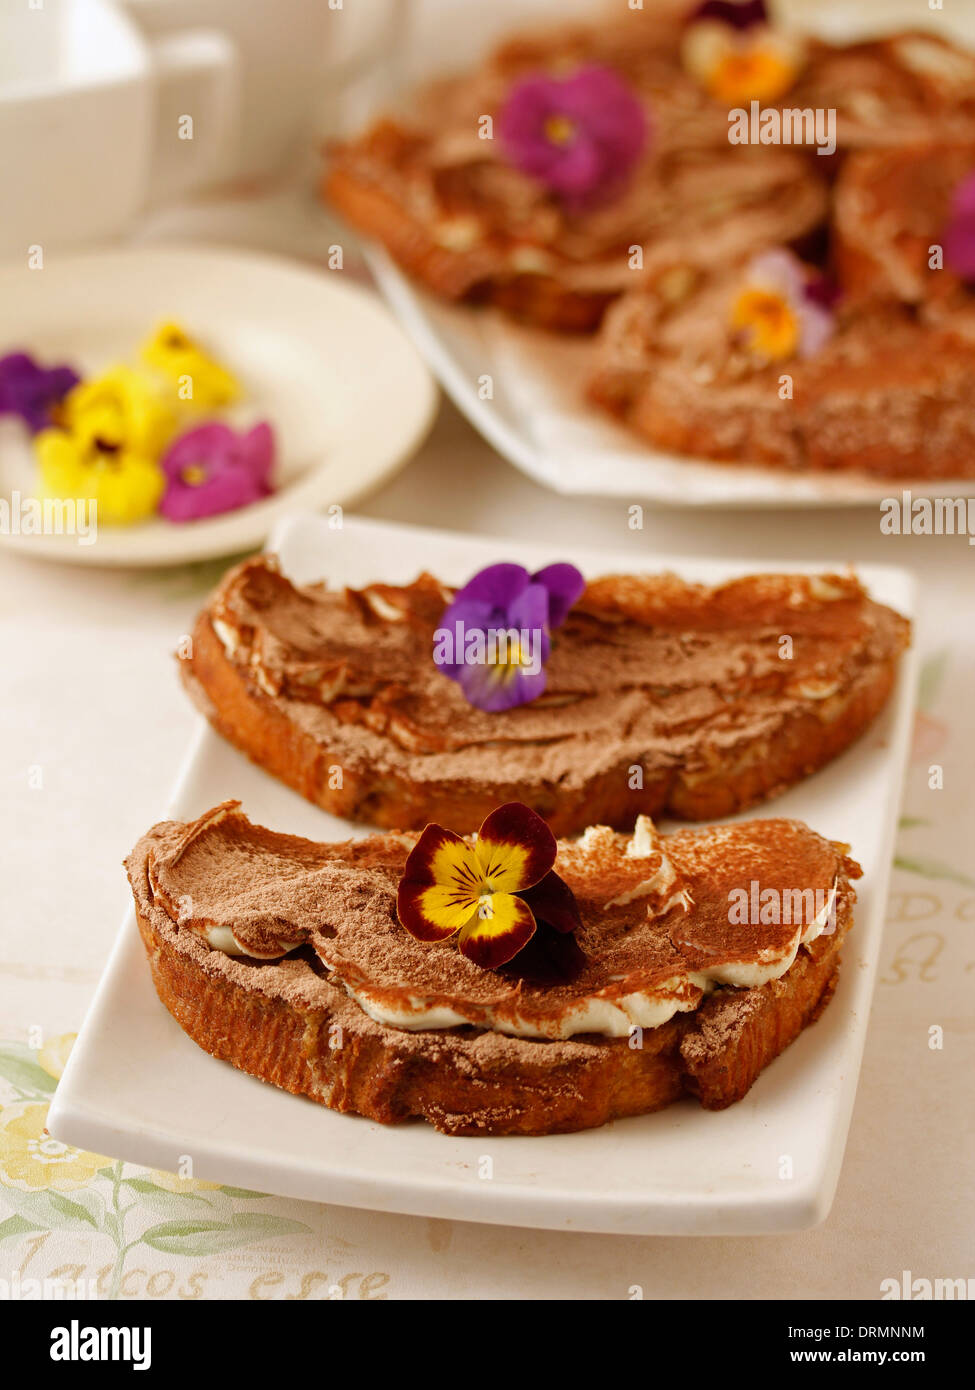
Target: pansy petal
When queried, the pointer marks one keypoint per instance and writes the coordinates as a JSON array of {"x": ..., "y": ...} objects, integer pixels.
[
  {"x": 550, "y": 958},
  {"x": 553, "y": 901},
  {"x": 500, "y": 927},
  {"x": 440, "y": 856},
  {"x": 257, "y": 449},
  {"x": 496, "y": 688},
  {"x": 528, "y": 614},
  {"x": 739, "y": 14},
  {"x": 564, "y": 584},
  {"x": 462, "y": 617},
  {"x": 515, "y": 848},
  {"x": 433, "y": 912},
  {"x": 497, "y": 585}
]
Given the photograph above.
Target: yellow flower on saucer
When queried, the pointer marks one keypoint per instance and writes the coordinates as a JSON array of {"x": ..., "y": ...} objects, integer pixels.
[
  {"x": 122, "y": 409},
  {"x": 54, "y": 1054},
  {"x": 125, "y": 484},
  {"x": 31, "y": 1161},
  {"x": 199, "y": 379}
]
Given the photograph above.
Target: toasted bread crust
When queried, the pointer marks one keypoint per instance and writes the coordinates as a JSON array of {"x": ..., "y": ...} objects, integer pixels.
[
  {"x": 540, "y": 300},
  {"x": 257, "y": 724},
  {"x": 465, "y": 1090}
]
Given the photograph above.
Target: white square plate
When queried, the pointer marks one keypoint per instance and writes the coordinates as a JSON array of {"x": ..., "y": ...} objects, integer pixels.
[{"x": 138, "y": 1088}]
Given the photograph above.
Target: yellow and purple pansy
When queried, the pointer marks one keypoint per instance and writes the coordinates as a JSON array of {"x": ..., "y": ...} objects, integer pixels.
[
  {"x": 958, "y": 238},
  {"x": 495, "y": 637},
  {"x": 783, "y": 309},
  {"x": 183, "y": 361},
  {"x": 730, "y": 47},
  {"x": 580, "y": 136},
  {"x": 213, "y": 469},
  {"x": 31, "y": 391},
  {"x": 491, "y": 895}
]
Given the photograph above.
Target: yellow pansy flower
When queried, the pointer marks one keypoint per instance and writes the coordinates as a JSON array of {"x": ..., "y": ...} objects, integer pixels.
[
  {"x": 31, "y": 1161},
  {"x": 126, "y": 484},
  {"x": 779, "y": 310},
  {"x": 122, "y": 410},
  {"x": 753, "y": 63},
  {"x": 200, "y": 380},
  {"x": 768, "y": 323}
]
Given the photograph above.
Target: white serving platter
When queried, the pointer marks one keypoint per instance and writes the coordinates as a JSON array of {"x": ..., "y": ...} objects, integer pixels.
[
  {"x": 321, "y": 358},
  {"x": 138, "y": 1088},
  {"x": 537, "y": 416}
]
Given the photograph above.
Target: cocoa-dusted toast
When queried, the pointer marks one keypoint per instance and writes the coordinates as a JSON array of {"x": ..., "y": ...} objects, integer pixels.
[
  {"x": 285, "y": 958},
  {"x": 908, "y": 88},
  {"x": 469, "y": 226},
  {"x": 888, "y": 395},
  {"x": 662, "y": 696},
  {"x": 893, "y": 209}
]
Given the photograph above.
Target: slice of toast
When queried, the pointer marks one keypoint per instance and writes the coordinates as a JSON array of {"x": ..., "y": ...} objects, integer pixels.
[
  {"x": 907, "y": 88},
  {"x": 661, "y": 696},
  {"x": 888, "y": 395},
  {"x": 892, "y": 210},
  {"x": 458, "y": 217},
  {"x": 285, "y": 958}
]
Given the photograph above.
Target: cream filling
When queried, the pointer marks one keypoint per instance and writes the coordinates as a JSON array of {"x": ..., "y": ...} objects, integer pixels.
[{"x": 612, "y": 1016}]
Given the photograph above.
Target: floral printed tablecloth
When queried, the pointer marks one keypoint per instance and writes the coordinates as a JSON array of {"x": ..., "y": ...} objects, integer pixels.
[{"x": 93, "y": 727}]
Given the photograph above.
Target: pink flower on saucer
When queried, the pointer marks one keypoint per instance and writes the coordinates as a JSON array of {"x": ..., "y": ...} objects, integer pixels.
[{"x": 213, "y": 469}]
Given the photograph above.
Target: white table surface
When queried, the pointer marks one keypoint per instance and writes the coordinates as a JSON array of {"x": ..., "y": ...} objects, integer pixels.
[{"x": 91, "y": 710}]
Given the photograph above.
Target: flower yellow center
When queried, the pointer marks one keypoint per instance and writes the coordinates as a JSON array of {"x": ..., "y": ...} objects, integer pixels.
[
  {"x": 194, "y": 474},
  {"x": 768, "y": 322},
  {"x": 751, "y": 74},
  {"x": 559, "y": 130}
]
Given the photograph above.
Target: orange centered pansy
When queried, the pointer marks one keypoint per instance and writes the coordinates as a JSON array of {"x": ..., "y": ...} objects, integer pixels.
[
  {"x": 751, "y": 74},
  {"x": 489, "y": 892},
  {"x": 768, "y": 323}
]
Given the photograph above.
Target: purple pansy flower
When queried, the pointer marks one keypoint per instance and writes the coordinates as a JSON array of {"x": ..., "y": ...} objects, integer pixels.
[
  {"x": 581, "y": 136},
  {"x": 958, "y": 240},
  {"x": 213, "y": 469},
  {"x": 31, "y": 391},
  {"x": 494, "y": 638},
  {"x": 738, "y": 14}
]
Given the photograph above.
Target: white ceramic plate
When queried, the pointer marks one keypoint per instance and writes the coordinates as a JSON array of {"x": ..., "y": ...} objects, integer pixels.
[
  {"x": 322, "y": 359},
  {"x": 137, "y": 1087},
  {"x": 539, "y": 419}
]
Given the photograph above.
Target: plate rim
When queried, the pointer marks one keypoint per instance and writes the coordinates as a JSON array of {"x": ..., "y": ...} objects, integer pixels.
[
  {"x": 759, "y": 491},
  {"x": 250, "y": 527}
]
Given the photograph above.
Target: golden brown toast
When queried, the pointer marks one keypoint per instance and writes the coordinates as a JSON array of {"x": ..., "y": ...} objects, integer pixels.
[
  {"x": 907, "y": 88},
  {"x": 892, "y": 206},
  {"x": 469, "y": 226},
  {"x": 888, "y": 395},
  {"x": 661, "y": 696},
  {"x": 655, "y": 925}
]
